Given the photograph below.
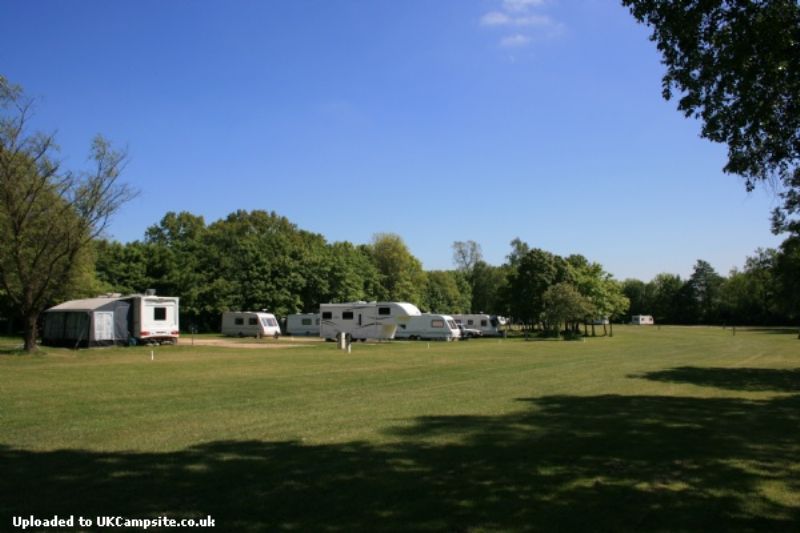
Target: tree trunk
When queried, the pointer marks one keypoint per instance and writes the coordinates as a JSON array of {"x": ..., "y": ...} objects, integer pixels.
[
  {"x": 30, "y": 332},
  {"x": 593, "y": 332}
]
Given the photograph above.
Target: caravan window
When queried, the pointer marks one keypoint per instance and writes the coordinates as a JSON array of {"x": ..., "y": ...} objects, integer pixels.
[
  {"x": 483, "y": 323},
  {"x": 437, "y": 323},
  {"x": 384, "y": 311},
  {"x": 347, "y": 315},
  {"x": 327, "y": 315},
  {"x": 470, "y": 322},
  {"x": 306, "y": 321},
  {"x": 159, "y": 313},
  {"x": 272, "y": 322},
  {"x": 238, "y": 321},
  {"x": 252, "y": 321},
  {"x": 452, "y": 324}
]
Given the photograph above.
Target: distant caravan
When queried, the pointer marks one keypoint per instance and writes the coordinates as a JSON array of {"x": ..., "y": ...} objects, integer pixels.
[
  {"x": 642, "y": 320},
  {"x": 303, "y": 324},
  {"x": 250, "y": 324},
  {"x": 428, "y": 326},
  {"x": 365, "y": 320},
  {"x": 488, "y": 325}
]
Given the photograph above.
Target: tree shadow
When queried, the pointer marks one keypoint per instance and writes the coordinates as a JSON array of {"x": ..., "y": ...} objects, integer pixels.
[
  {"x": 598, "y": 463},
  {"x": 740, "y": 379},
  {"x": 774, "y": 330}
]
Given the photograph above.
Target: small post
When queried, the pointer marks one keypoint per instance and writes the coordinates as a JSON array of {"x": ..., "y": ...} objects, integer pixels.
[{"x": 152, "y": 355}]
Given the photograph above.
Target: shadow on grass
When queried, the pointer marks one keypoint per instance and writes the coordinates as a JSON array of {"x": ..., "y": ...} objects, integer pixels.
[
  {"x": 741, "y": 379},
  {"x": 774, "y": 330},
  {"x": 601, "y": 463}
]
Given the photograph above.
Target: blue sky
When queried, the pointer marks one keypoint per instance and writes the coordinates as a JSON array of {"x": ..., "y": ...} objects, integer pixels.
[{"x": 437, "y": 120}]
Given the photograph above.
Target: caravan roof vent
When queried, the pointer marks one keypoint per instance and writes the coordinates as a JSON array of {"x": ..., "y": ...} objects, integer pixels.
[{"x": 150, "y": 292}]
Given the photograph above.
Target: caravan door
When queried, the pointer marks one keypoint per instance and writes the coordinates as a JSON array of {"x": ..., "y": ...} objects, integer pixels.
[{"x": 104, "y": 326}]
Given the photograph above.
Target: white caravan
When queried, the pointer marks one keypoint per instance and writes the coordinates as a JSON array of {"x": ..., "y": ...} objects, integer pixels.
[
  {"x": 429, "y": 326},
  {"x": 488, "y": 325},
  {"x": 642, "y": 320},
  {"x": 303, "y": 324},
  {"x": 250, "y": 324},
  {"x": 154, "y": 319},
  {"x": 365, "y": 320}
]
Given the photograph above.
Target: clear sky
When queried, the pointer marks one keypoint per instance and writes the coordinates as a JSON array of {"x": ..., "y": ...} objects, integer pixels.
[{"x": 437, "y": 120}]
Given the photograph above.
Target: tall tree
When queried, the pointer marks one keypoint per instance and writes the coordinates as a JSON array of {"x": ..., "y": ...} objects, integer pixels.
[
  {"x": 735, "y": 64},
  {"x": 468, "y": 258},
  {"x": 48, "y": 216},
  {"x": 443, "y": 293},
  {"x": 563, "y": 302},
  {"x": 488, "y": 285},
  {"x": 787, "y": 272},
  {"x": 176, "y": 249},
  {"x": 704, "y": 285},
  {"x": 402, "y": 277},
  {"x": 666, "y": 293},
  {"x": 639, "y": 294},
  {"x": 536, "y": 271}
]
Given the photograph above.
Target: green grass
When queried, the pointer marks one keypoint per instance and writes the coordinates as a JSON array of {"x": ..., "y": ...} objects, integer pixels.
[{"x": 654, "y": 429}]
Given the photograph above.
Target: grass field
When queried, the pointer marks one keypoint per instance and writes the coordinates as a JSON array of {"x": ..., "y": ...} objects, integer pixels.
[{"x": 654, "y": 429}]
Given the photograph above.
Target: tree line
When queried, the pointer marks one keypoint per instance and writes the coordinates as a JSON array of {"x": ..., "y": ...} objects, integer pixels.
[
  {"x": 765, "y": 292},
  {"x": 260, "y": 260}
]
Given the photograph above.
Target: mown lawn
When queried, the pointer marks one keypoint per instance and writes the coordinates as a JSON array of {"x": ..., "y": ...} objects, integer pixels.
[{"x": 654, "y": 429}]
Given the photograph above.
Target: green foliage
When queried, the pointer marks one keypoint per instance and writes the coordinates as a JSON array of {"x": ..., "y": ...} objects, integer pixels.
[
  {"x": 445, "y": 294},
  {"x": 735, "y": 64},
  {"x": 401, "y": 274},
  {"x": 48, "y": 217},
  {"x": 536, "y": 271},
  {"x": 787, "y": 274},
  {"x": 563, "y": 303},
  {"x": 703, "y": 288}
]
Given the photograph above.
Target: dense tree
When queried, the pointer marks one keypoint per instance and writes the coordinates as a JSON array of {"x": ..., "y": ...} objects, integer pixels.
[
  {"x": 666, "y": 293},
  {"x": 735, "y": 64},
  {"x": 787, "y": 274},
  {"x": 749, "y": 296},
  {"x": 123, "y": 268},
  {"x": 176, "y": 251},
  {"x": 535, "y": 272},
  {"x": 402, "y": 277},
  {"x": 352, "y": 276},
  {"x": 446, "y": 292},
  {"x": 639, "y": 295},
  {"x": 601, "y": 291},
  {"x": 488, "y": 286},
  {"x": 704, "y": 287},
  {"x": 563, "y": 303},
  {"x": 48, "y": 216},
  {"x": 255, "y": 261}
]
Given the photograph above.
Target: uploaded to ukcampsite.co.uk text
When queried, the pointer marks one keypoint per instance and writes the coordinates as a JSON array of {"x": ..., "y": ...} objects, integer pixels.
[{"x": 63, "y": 522}]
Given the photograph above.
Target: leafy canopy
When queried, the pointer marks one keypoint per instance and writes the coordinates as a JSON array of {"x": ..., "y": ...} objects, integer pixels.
[{"x": 735, "y": 64}]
